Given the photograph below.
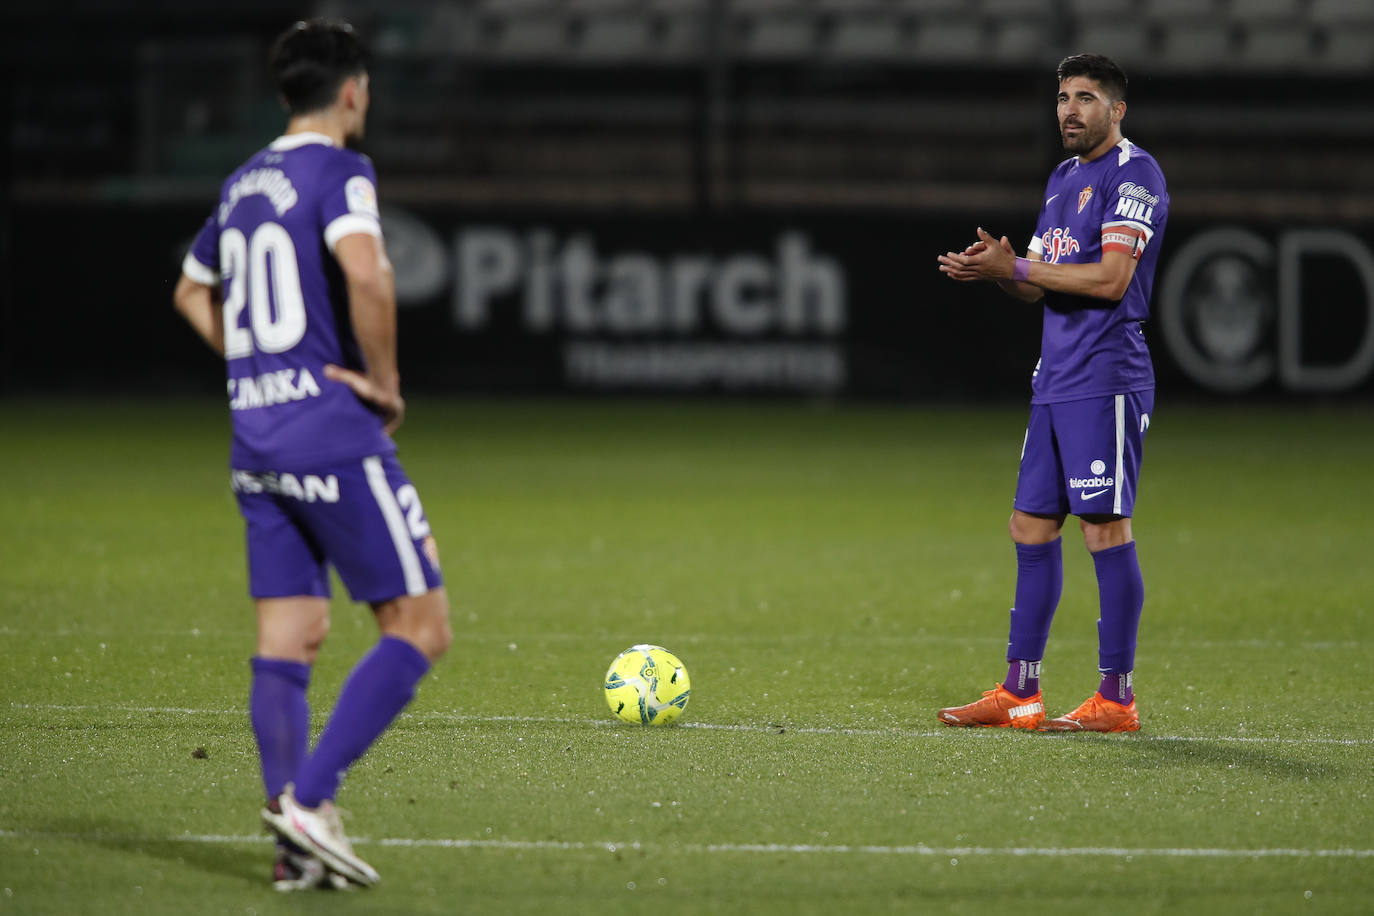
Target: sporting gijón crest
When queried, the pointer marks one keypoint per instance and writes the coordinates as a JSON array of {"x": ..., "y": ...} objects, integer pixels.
[
  {"x": 1084, "y": 196},
  {"x": 1058, "y": 244}
]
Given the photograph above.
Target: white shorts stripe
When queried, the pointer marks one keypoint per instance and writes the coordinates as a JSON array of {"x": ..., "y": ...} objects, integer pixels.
[
  {"x": 396, "y": 526},
  {"x": 1120, "y": 452}
]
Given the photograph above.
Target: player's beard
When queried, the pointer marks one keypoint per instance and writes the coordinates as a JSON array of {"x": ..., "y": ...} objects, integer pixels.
[{"x": 1089, "y": 136}]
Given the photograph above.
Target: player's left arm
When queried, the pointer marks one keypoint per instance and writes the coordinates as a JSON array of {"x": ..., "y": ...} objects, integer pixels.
[
  {"x": 353, "y": 232},
  {"x": 372, "y": 309},
  {"x": 1104, "y": 279},
  {"x": 200, "y": 305}
]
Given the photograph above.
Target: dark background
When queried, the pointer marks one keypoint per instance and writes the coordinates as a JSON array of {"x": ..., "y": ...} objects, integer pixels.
[{"x": 883, "y": 131}]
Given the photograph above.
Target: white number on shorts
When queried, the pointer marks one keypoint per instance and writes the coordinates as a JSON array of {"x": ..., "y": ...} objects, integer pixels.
[
  {"x": 409, "y": 498},
  {"x": 265, "y": 268}
]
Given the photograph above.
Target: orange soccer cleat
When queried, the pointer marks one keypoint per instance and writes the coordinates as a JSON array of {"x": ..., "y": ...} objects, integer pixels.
[
  {"x": 999, "y": 708},
  {"x": 1096, "y": 714}
]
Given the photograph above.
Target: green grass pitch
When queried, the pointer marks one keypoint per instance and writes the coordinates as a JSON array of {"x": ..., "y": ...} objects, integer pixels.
[{"x": 830, "y": 576}]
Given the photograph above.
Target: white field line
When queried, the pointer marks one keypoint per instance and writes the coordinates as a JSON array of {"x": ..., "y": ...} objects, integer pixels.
[
  {"x": 917, "y": 849},
  {"x": 779, "y": 728},
  {"x": 918, "y": 638}
]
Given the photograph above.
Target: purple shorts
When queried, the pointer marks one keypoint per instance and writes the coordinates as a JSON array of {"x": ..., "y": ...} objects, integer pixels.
[
  {"x": 363, "y": 517},
  {"x": 1083, "y": 457}
]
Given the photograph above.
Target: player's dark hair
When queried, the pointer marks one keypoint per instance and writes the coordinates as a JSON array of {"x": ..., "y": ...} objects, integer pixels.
[
  {"x": 1103, "y": 70},
  {"x": 311, "y": 60}
]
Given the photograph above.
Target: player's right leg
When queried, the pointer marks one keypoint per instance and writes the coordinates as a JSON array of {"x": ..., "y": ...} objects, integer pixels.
[
  {"x": 1035, "y": 529},
  {"x": 290, "y": 633},
  {"x": 287, "y": 577},
  {"x": 1102, "y": 442},
  {"x": 998, "y": 708}
]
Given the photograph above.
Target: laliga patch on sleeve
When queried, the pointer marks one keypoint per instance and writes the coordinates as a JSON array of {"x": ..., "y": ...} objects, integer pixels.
[{"x": 361, "y": 196}]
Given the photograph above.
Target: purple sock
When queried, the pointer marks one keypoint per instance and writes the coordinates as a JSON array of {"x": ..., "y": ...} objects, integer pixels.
[
  {"x": 1116, "y": 686},
  {"x": 1122, "y": 594},
  {"x": 281, "y": 718},
  {"x": 379, "y": 687},
  {"x": 1023, "y": 677},
  {"x": 1039, "y": 583}
]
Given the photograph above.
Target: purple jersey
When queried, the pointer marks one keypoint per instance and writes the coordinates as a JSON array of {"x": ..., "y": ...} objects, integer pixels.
[
  {"x": 1094, "y": 347},
  {"x": 270, "y": 243}
]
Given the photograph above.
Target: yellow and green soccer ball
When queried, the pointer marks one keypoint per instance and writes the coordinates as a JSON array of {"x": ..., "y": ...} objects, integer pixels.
[{"x": 647, "y": 685}]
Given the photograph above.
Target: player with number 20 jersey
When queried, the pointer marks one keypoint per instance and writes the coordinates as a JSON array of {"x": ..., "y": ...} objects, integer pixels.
[
  {"x": 271, "y": 242},
  {"x": 290, "y": 282}
]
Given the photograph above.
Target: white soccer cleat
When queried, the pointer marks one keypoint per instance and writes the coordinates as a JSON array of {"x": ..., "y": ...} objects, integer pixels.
[
  {"x": 298, "y": 871},
  {"x": 319, "y": 831}
]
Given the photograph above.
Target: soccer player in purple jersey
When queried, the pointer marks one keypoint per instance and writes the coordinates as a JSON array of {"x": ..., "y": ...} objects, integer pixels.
[
  {"x": 290, "y": 282},
  {"x": 1092, "y": 263}
]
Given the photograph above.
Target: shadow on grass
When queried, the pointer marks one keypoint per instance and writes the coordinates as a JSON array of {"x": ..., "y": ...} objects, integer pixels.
[
  {"x": 250, "y": 861},
  {"x": 1182, "y": 753}
]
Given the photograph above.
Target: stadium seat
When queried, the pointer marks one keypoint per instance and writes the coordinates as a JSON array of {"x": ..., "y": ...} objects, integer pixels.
[
  {"x": 626, "y": 36},
  {"x": 994, "y": 10},
  {"x": 1021, "y": 41},
  {"x": 677, "y": 6},
  {"x": 600, "y": 7},
  {"x": 528, "y": 37},
  {"x": 678, "y": 36},
  {"x": 516, "y": 7},
  {"x": 1260, "y": 10},
  {"x": 1280, "y": 46},
  {"x": 849, "y": 7},
  {"x": 778, "y": 37},
  {"x": 750, "y": 7},
  {"x": 1348, "y": 49},
  {"x": 1332, "y": 12},
  {"x": 928, "y": 8},
  {"x": 448, "y": 29},
  {"x": 1127, "y": 42},
  {"x": 949, "y": 41},
  {"x": 1196, "y": 46},
  {"x": 1182, "y": 9},
  {"x": 1102, "y": 9},
  {"x": 868, "y": 38}
]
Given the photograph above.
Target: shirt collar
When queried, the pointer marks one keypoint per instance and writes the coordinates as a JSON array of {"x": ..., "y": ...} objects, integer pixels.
[{"x": 294, "y": 141}]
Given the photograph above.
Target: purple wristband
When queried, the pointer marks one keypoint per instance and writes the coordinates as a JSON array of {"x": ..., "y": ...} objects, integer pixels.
[{"x": 1021, "y": 272}]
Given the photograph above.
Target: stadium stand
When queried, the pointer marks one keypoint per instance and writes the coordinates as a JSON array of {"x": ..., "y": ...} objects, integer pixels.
[{"x": 672, "y": 103}]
